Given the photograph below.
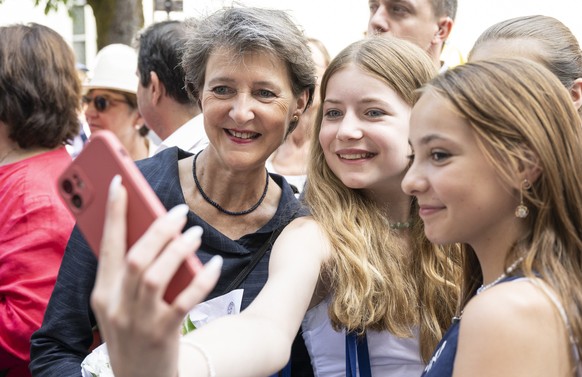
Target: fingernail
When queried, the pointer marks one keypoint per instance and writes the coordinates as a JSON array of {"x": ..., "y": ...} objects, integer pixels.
[
  {"x": 114, "y": 186},
  {"x": 178, "y": 212},
  {"x": 192, "y": 234},
  {"x": 214, "y": 264}
]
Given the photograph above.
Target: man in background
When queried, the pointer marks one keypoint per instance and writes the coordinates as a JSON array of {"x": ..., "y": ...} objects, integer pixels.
[
  {"x": 426, "y": 23},
  {"x": 161, "y": 95}
]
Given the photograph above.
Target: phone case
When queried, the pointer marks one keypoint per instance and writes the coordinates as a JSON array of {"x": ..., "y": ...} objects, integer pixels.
[{"x": 84, "y": 187}]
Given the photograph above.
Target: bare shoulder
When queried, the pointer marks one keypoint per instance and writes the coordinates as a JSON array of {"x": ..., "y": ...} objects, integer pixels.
[
  {"x": 516, "y": 299},
  {"x": 516, "y": 324},
  {"x": 307, "y": 234}
]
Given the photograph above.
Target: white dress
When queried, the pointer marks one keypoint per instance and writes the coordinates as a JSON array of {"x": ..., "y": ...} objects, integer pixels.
[{"x": 390, "y": 356}]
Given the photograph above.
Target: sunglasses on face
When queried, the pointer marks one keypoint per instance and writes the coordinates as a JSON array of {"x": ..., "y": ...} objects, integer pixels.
[{"x": 101, "y": 103}]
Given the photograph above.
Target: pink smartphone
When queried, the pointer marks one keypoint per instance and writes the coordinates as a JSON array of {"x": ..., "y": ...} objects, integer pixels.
[{"x": 84, "y": 187}]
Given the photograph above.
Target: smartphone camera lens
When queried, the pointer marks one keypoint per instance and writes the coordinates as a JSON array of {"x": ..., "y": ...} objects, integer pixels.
[
  {"x": 67, "y": 186},
  {"x": 77, "y": 201}
]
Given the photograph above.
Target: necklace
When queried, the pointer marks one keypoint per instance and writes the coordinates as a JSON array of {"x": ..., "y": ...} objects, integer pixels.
[
  {"x": 483, "y": 288},
  {"x": 508, "y": 271},
  {"x": 401, "y": 225},
  {"x": 218, "y": 206}
]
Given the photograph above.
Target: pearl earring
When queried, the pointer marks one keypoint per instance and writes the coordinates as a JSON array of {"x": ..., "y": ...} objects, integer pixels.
[{"x": 522, "y": 211}]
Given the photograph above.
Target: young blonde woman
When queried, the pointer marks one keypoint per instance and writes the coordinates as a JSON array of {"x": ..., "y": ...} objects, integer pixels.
[
  {"x": 497, "y": 163},
  {"x": 380, "y": 269}
]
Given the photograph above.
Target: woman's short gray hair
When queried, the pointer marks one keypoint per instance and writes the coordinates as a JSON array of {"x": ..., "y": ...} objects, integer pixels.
[{"x": 244, "y": 30}]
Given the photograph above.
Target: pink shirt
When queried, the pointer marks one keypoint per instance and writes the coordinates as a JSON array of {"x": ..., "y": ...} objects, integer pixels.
[{"x": 34, "y": 229}]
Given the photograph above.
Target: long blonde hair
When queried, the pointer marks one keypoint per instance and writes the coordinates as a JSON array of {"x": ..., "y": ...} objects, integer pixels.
[
  {"x": 522, "y": 115},
  {"x": 376, "y": 284}
]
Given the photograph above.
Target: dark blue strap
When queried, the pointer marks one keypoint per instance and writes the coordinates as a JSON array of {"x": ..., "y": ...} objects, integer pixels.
[
  {"x": 351, "y": 355},
  {"x": 357, "y": 349},
  {"x": 285, "y": 372}
]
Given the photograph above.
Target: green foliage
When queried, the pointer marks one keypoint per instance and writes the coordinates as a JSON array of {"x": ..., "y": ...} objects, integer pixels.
[{"x": 51, "y": 5}]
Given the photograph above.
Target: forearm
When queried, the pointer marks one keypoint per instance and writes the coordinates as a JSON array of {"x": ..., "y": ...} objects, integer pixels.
[{"x": 245, "y": 345}]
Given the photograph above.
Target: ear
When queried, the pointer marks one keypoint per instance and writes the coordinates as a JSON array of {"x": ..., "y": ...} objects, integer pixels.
[
  {"x": 529, "y": 168},
  {"x": 445, "y": 25},
  {"x": 576, "y": 93},
  {"x": 157, "y": 88},
  {"x": 302, "y": 103},
  {"x": 139, "y": 121}
]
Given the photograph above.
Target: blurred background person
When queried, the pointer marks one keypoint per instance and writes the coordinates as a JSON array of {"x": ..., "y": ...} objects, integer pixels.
[
  {"x": 76, "y": 145},
  {"x": 39, "y": 102},
  {"x": 542, "y": 39},
  {"x": 426, "y": 23},
  {"x": 291, "y": 158},
  {"x": 161, "y": 95},
  {"x": 110, "y": 100}
]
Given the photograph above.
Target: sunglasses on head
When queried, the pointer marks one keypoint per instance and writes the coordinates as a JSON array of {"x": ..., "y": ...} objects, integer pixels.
[{"x": 101, "y": 103}]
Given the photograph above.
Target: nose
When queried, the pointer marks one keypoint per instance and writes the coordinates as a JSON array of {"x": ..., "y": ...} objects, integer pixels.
[
  {"x": 90, "y": 110},
  {"x": 348, "y": 129},
  {"x": 378, "y": 23},
  {"x": 241, "y": 110},
  {"x": 414, "y": 181}
]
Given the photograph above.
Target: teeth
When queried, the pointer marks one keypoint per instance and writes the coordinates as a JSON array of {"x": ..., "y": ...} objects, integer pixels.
[
  {"x": 355, "y": 156},
  {"x": 243, "y": 135}
]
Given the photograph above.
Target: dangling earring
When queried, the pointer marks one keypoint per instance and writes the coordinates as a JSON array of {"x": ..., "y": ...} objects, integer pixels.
[{"x": 522, "y": 211}]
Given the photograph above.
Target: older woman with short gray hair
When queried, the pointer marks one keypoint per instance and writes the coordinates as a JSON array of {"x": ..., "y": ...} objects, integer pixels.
[{"x": 251, "y": 72}]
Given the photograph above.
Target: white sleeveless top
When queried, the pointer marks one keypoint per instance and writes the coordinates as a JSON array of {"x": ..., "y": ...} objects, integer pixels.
[{"x": 390, "y": 356}]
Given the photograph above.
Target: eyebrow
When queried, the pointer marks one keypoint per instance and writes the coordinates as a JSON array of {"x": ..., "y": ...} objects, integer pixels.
[
  {"x": 365, "y": 100},
  {"x": 221, "y": 79},
  {"x": 428, "y": 138},
  {"x": 229, "y": 80}
]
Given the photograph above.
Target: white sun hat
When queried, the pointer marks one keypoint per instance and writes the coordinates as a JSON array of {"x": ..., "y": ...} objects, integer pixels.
[{"x": 115, "y": 68}]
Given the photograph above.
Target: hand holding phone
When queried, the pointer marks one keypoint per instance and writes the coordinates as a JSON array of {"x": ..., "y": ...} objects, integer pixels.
[{"x": 84, "y": 188}]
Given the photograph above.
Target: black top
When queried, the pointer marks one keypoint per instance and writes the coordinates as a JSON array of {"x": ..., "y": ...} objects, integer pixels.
[{"x": 63, "y": 341}]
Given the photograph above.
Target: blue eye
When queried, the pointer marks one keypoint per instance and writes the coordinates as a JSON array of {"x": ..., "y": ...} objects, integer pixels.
[
  {"x": 221, "y": 90},
  {"x": 375, "y": 113},
  {"x": 332, "y": 113},
  {"x": 263, "y": 93}
]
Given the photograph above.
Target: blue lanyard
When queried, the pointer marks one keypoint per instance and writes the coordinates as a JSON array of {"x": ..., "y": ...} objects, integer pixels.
[
  {"x": 357, "y": 354},
  {"x": 285, "y": 372}
]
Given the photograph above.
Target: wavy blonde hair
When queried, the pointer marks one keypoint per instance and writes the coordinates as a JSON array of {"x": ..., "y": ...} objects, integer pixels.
[
  {"x": 376, "y": 282},
  {"x": 522, "y": 115}
]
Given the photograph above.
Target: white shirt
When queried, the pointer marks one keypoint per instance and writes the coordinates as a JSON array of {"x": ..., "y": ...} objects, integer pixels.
[
  {"x": 389, "y": 355},
  {"x": 296, "y": 180},
  {"x": 190, "y": 137}
]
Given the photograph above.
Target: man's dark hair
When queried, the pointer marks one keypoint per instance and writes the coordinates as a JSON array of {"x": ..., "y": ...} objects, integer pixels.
[{"x": 160, "y": 50}]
